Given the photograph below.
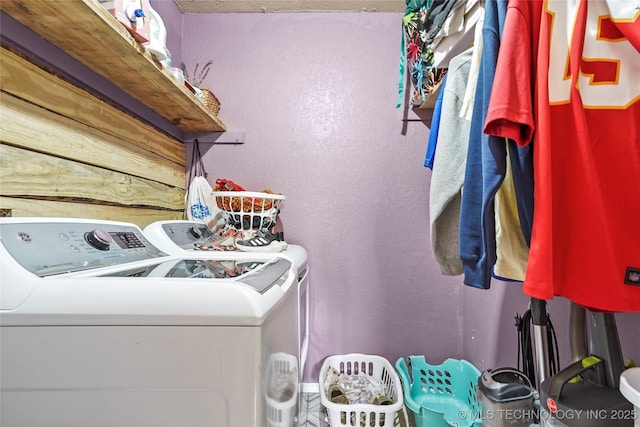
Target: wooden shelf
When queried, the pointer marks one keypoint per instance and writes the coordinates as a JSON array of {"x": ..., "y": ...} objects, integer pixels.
[{"x": 86, "y": 31}]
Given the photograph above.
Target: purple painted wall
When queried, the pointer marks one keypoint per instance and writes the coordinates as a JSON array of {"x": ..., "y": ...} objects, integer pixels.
[{"x": 314, "y": 95}]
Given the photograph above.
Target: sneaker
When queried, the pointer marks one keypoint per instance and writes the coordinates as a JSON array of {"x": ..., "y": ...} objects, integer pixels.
[
  {"x": 263, "y": 241},
  {"x": 221, "y": 241}
]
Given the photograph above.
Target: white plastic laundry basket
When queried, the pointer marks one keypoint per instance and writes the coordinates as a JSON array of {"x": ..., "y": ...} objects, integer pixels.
[
  {"x": 248, "y": 210},
  {"x": 361, "y": 415}
]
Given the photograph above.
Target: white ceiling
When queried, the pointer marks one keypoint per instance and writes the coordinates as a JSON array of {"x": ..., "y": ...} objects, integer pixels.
[{"x": 266, "y": 6}]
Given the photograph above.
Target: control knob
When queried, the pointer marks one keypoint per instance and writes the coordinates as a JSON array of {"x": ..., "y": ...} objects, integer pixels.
[
  {"x": 196, "y": 232},
  {"x": 98, "y": 239}
]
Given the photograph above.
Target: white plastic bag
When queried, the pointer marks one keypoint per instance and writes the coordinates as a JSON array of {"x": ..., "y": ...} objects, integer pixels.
[{"x": 200, "y": 205}]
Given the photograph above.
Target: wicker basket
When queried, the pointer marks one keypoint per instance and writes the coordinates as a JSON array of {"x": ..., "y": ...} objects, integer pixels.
[{"x": 210, "y": 101}]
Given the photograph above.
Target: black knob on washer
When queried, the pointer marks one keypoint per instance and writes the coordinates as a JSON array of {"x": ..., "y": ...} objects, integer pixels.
[{"x": 98, "y": 239}]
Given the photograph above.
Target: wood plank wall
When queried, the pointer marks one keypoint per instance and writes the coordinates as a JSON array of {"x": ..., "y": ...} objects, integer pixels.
[{"x": 66, "y": 153}]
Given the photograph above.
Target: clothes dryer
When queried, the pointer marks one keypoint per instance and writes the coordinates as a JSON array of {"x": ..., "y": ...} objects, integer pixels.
[
  {"x": 178, "y": 238},
  {"x": 100, "y": 327}
]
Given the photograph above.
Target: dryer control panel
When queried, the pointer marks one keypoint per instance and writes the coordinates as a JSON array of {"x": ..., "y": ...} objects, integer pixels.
[
  {"x": 184, "y": 234},
  {"x": 47, "y": 248}
]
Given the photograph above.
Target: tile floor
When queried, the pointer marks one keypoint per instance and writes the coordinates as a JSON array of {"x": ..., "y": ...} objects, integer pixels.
[{"x": 313, "y": 414}]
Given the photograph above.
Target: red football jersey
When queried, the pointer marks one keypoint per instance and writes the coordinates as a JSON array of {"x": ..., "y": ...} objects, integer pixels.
[{"x": 585, "y": 120}]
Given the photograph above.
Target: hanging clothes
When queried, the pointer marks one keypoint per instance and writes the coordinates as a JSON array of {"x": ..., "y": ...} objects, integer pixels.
[
  {"x": 448, "y": 169},
  {"x": 414, "y": 53},
  {"x": 432, "y": 142},
  {"x": 474, "y": 72},
  {"x": 436, "y": 15},
  {"x": 584, "y": 115},
  {"x": 457, "y": 32},
  {"x": 422, "y": 21},
  {"x": 489, "y": 241},
  {"x": 485, "y": 164},
  {"x": 512, "y": 251}
]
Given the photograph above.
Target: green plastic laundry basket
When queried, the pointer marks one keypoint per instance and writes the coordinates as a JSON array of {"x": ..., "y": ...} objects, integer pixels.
[{"x": 441, "y": 395}]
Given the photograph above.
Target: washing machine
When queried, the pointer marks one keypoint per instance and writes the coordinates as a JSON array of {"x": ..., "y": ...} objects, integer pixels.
[
  {"x": 101, "y": 328},
  {"x": 179, "y": 237}
]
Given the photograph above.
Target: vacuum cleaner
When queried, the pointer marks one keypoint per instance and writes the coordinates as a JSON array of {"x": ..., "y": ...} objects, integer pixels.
[{"x": 586, "y": 393}]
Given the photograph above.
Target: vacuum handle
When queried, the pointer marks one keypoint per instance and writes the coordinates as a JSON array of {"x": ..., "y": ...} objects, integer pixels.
[
  {"x": 539, "y": 312},
  {"x": 592, "y": 365},
  {"x": 513, "y": 371}
]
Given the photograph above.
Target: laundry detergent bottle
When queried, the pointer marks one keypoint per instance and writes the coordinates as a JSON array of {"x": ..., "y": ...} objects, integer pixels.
[{"x": 157, "y": 44}]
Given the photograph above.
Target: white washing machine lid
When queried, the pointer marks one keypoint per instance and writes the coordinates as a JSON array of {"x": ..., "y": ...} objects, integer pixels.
[{"x": 130, "y": 283}]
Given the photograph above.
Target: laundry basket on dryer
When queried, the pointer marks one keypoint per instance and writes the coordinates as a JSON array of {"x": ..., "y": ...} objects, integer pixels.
[{"x": 249, "y": 210}]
